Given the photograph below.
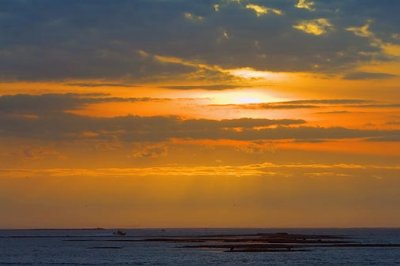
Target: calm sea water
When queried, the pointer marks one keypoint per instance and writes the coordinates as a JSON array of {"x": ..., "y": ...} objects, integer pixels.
[{"x": 49, "y": 247}]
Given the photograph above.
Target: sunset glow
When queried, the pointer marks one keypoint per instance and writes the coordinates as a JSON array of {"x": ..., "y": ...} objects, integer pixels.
[{"x": 167, "y": 113}]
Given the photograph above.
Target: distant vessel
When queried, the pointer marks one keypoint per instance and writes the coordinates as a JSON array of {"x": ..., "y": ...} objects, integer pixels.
[{"x": 119, "y": 233}]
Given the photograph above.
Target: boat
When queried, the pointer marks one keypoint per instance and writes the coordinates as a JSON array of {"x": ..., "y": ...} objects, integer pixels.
[{"x": 119, "y": 233}]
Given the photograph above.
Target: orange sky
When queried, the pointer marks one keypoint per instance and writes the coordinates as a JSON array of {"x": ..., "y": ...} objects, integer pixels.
[{"x": 229, "y": 129}]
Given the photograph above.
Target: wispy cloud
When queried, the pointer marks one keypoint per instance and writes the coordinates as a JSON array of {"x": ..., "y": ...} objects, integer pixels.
[
  {"x": 260, "y": 169},
  {"x": 316, "y": 27},
  {"x": 362, "y": 31},
  {"x": 387, "y": 47},
  {"x": 192, "y": 17},
  {"x": 260, "y": 10},
  {"x": 305, "y": 4}
]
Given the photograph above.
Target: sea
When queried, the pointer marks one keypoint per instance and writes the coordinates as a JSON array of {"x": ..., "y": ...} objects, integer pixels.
[{"x": 87, "y": 247}]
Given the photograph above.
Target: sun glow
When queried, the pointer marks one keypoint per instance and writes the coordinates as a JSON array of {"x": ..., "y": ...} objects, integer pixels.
[
  {"x": 242, "y": 97},
  {"x": 250, "y": 73}
]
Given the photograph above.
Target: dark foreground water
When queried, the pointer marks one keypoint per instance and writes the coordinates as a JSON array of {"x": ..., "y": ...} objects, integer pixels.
[{"x": 92, "y": 247}]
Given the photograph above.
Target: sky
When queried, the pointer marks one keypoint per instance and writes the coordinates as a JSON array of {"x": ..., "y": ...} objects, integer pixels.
[{"x": 200, "y": 113}]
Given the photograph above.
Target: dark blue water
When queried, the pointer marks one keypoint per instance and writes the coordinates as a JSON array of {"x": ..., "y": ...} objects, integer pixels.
[{"x": 44, "y": 247}]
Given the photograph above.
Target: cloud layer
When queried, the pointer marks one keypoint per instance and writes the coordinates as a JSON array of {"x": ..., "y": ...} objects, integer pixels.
[
  {"x": 46, "y": 117},
  {"x": 48, "y": 40}
]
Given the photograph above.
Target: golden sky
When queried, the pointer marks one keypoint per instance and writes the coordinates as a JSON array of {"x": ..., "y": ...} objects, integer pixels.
[{"x": 217, "y": 113}]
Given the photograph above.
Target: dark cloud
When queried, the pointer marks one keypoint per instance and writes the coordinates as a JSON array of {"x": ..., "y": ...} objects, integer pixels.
[
  {"x": 328, "y": 101},
  {"x": 368, "y": 75},
  {"x": 59, "y": 40},
  {"x": 391, "y": 137},
  {"x": 301, "y": 104},
  {"x": 277, "y": 106},
  {"x": 94, "y": 85},
  {"x": 335, "y": 112},
  {"x": 204, "y": 87},
  {"x": 55, "y": 103},
  {"x": 52, "y": 123},
  {"x": 394, "y": 105},
  {"x": 393, "y": 123},
  {"x": 134, "y": 128}
]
